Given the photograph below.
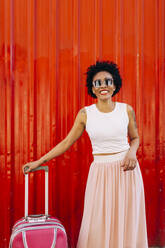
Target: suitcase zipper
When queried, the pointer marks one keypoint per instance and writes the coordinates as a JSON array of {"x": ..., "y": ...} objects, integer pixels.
[
  {"x": 33, "y": 228},
  {"x": 23, "y": 220},
  {"x": 34, "y": 224},
  {"x": 24, "y": 240},
  {"x": 55, "y": 237}
]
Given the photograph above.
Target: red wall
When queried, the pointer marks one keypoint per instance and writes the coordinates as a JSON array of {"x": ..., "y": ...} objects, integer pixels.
[{"x": 45, "y": 48}]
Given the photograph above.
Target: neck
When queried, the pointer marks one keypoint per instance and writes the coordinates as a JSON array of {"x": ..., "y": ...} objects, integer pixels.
[{"x": 105, "y": 105}]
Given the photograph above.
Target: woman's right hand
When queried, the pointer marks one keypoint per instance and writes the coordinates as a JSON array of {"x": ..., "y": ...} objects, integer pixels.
[{"x": 31, "y": 166}]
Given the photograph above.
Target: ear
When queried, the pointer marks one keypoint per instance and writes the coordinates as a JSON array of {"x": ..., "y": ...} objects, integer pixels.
[{"x": 93, "y": 90}]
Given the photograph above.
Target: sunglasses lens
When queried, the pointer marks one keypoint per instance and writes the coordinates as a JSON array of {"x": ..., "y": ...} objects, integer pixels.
[
  {"x": 109, "y": 81},
  {"x": 97, "y": 83}
]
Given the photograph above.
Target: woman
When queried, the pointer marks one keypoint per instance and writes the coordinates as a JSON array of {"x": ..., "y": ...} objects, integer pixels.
[{"x": 114, "y": 209}]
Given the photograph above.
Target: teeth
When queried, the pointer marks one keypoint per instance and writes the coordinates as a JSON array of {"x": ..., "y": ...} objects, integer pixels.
[{"x": 104, "y": 92}]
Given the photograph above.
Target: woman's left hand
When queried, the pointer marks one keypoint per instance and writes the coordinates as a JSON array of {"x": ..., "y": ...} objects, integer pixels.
[{"x": 130, "y": 161}]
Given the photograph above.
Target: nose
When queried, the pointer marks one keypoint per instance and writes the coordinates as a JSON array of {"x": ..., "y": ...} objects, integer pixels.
[{"x": 103, "y": 84}]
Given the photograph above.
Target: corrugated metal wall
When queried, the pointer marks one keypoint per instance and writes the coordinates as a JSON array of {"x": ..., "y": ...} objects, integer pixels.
[{"x": 45, "y": 48}]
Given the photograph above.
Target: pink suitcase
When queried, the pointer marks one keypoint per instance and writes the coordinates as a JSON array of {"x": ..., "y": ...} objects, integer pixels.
[{"x": 38, "y": 231}]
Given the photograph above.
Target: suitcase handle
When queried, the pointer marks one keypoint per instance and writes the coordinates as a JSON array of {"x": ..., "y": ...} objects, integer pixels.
[
  {"x": 46, "y": 169},
  {"x": 36, "y": 217}
]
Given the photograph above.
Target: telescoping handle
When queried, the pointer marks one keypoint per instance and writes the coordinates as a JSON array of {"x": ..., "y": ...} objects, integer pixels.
[{"x": 46, "y": 169}]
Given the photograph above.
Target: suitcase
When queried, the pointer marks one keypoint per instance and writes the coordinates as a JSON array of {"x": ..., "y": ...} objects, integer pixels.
[{"x": 38, "y": 231}]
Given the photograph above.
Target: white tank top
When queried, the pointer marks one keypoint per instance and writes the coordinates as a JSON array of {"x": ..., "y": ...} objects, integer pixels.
[{"x": 108, "y": 131}]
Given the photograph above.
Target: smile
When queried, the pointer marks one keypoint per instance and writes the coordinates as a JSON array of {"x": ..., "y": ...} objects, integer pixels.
[{"x": 104, "y": 92}]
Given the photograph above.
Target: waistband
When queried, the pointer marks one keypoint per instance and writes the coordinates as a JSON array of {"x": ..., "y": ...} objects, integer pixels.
[{"x": 110, "y": 158}]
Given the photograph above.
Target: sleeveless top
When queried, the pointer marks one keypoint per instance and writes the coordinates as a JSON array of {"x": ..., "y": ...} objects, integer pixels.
[{"x": 108, "y": 131}]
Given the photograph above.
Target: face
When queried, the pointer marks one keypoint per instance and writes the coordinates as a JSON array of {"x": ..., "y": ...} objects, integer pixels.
[{"x": 107, "y": 87}]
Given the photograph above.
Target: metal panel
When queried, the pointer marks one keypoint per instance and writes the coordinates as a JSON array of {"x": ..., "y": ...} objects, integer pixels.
[{"x": 45, "y": 48}]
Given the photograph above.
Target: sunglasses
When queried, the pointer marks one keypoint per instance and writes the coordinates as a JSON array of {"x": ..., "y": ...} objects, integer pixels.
[{"x": 107, "y": 81}]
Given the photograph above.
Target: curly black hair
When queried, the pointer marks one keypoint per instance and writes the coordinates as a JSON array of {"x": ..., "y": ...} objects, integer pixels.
[{"x": 107, "y": 66}]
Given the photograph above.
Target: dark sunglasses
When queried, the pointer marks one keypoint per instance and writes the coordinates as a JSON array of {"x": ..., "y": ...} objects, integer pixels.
[{"x": 107, "y": 81}]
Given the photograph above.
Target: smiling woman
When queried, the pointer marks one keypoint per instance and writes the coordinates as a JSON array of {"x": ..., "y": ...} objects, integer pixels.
[{"x": 114, "y": 209}]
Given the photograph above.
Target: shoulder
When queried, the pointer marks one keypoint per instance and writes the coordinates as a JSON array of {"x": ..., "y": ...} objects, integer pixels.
[
  {"x": 82, "y": 115},
  {"x": 127, "y": 107},
  {"x": 82, "y": 111},
  {"x": 130, "y": 111},
  {"x": 85, "y": 111},
  {"x": 88, "y": 109}
]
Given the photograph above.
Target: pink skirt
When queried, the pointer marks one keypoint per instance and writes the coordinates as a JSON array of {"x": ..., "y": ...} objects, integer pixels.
[{"x": 114, "y": 208}]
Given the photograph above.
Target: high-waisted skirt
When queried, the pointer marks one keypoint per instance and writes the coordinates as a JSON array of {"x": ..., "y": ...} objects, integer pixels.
[{"x": 114, "y": 207}]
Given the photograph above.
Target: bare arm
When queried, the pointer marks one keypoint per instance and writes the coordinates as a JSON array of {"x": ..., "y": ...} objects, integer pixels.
[
  {"x": 129, "y": 163},
  {"x": 64, "y": 145},
  {"x": 132, "y": 130}
]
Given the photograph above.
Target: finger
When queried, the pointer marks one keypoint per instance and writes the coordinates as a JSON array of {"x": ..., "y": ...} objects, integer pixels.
[
  {"x": 123, "y": 163},
  {"x": 26, "y": 169},
  {"x": 129, "y": 166},
  {"x": 23, "y": 168},
  {"x": 126, "y": 166},
  {"x": 132, "y": 165}
]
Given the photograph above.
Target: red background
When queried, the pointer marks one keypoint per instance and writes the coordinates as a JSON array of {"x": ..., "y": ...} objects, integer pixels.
[{"x": 45, "y": 48}]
